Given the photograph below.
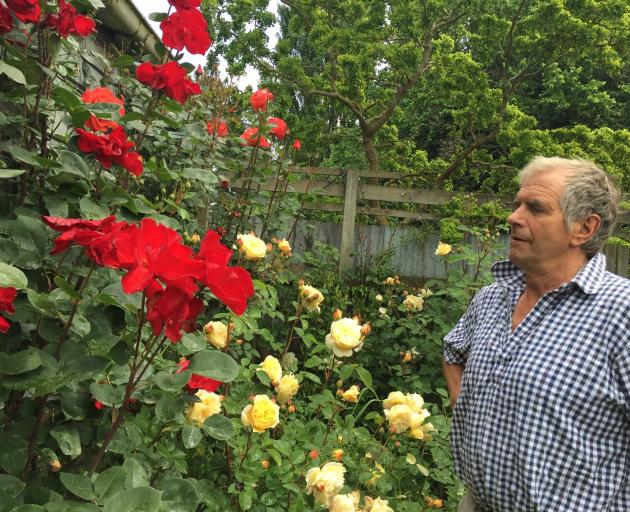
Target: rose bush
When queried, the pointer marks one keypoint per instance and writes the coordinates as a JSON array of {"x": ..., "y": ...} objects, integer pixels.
[{"x": 121, "y": 237}]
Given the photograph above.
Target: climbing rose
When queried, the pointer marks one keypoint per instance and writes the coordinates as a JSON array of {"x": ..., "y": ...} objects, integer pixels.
[
  {"x": 186, "y": 29},
  {"x": 68, "y": 22},
  {"x": 252, "y": 138},
  {"x": 111, "y": 148},
  {"x": 218, "y": 126},
  {"x": 280, "y": 128},
  {"x": 7, "y": 296},
  {"x": 27, "y": 11},
  {"x": 259, "y": 100},
  {"x": 6, "y": 22},
  {"x": 171, "y": 78},
  {"x": 101, "y": 95}
]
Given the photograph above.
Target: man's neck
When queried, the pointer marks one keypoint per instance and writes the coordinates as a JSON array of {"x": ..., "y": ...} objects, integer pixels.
[{"x": 540, "y": 281}]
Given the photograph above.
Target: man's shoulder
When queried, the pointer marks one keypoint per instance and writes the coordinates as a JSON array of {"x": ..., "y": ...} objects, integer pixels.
[{"x": 614, "y": 288}]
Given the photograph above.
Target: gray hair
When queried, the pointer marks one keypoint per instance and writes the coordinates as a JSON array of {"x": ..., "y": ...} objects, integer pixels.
[{"x": 588, "y": 190}]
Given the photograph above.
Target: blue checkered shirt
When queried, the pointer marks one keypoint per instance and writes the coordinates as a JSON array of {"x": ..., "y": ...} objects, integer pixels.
[{"x": 542, "y": 422}]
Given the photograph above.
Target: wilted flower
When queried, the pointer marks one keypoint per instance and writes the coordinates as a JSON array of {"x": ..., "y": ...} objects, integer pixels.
[
  {"x": 325, "y": 482},
  {"x": 209, "y": 405},
  {"x": 262, "y": 415},
  {"x": 251, "y": 247},
  {"x": 376, "y": 473},
  {"x": 422, "y": 431},
  {"x": 310, "y": 297},
  {"x": 264, "y": 464},
  {"x": 377, "y": 505},
  {"x": 344, "y": 337},
  {"x": 286, "y": 388},
  {"x": 271, "y": 366},
  {"x": 343, "y": 503},
  {"x": 351, "y": 394},
  {"x": 414, "y": 303},
  {"x": 443, "y": 249},
  {"x": 216, "y": 333},
  {"x": 337, "y": 454}
]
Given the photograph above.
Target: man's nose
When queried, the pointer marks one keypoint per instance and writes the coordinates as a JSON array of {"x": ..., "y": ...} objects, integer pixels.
[{"x": 515, "y": 216}]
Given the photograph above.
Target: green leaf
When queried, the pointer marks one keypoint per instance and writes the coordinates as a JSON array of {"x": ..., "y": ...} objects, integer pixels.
[
  {"x": 79, "y": 485},
  {"x": 13, "y": 73},
  {"x": 74, "y": 164},
  {"x": 75, "y": 405},
  {"x": 91, "y": 210},
  {"x": 245, "y": 501},
  {"x": 11, "y": 276},
  {"x": 219, "y": 427},
  {"x": 20, "y": 362},
  {"x": 29, "y": 508},
  {"x": 275, "y": 455},
  {"x": 70, "y": 506},
  {"x": 11, "y": 485},
  {"x": 123, "y": 61},
  {"x": 178, "y": 495},
  {"x": 203, "y": 175},
  {"x": 11, "y": 173},
  {"x": 191, "y": 436},
  {"x": 168, "y": 408},
  {"x": 35, "y": 232},
  {"x": 136, "y": 474},
  {"x": 138, "y": 499},
  {"x": 110, "y": 482},
  {"x": 172, "y": 381},
  {"x": 108, "y": 394},
  {"x": 313, "y": 361},
  {"x": 13, "y": 453},
  {"x": 158, "y": 16},
  {"x": 66, "y": 97},
  {"x": 65, "y": 286},
  {"x": 67, "y": 437},
  {"x": 191, "y": 343},
  {"x": 365, "y": 376},
  {"x": 9, "y": 251},
  {"x": 214, "y": 364}
]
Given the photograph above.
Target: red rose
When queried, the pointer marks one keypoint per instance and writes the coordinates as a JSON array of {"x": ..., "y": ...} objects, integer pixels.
[
  {"x": 297, "y": 145},
  {"x": 280, "y": 128},
  {"x": 186, "y": 29},
  {"x": 111, "y": 148},
  {"x": 6, "y": 22},
  {"x": 7, "y": 296},
  {"x": 259, "y": 100},
  {"x": 252, "y": 138},
  {"x": 98, "y": 405},
  {"x": 171, "y": 78},
  {"x": 172, "y": 310},
  {"x": 231, "y": 285},
  {"x": 185, "y": 4},
  {"x": 27, "y": 11},
  {"x": 219, "y": 126},
  {"x": 68, "y": 22},
  {"x": 101, "y": 95},
  {"x": 197, "y": 381}
]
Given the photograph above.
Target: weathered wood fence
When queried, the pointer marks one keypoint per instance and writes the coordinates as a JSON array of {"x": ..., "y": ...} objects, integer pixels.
[{"x": 412, "y": 257}]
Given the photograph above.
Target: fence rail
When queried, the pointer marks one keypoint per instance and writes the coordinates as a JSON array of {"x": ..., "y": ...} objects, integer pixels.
[{"x": 347, "y": 184}]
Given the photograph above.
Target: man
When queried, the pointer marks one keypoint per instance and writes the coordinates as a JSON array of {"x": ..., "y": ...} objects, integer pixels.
[{"x": 538, "y": 369}]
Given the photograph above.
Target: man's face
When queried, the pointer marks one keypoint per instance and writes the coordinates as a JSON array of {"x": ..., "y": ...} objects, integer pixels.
[{"x": 540, "y": 239}]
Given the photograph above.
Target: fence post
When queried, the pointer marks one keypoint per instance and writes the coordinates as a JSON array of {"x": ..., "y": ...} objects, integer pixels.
[{"x": 349, "y": 214}]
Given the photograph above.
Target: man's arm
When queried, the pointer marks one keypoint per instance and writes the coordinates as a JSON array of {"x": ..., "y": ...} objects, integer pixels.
[{"x": 453, "y": 375}]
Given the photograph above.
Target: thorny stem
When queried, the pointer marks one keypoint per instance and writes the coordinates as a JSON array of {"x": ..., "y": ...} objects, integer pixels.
[
  {"x": 249, "y": 445},
  {"x": 298, "y": 312}
]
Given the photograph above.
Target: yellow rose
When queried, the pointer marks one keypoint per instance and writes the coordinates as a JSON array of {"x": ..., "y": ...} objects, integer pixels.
[
  {"x": 377, "y": 505},
  {"x": 415, "y": 402},
  {"x": 216, "y": 333},
  {"x": 390, "y": 281},
  {"x": 310, "y": 297},
  {"x": 271, "y": 366},
  {"x": 443, "y": 249},
  {"x": 284, "y": 247},
  {"x": 379, "y": 298},
  {"x": 351, "y": 394},
  {"x": 262, "y": 415},
  {"x": 325, "y": 482},
  {"x": 425, "y": 292},
  {"x": 413, "y": 303},
  {"x": 394, "y": 398},
  {"x": 286, "y": 388},
  {"x": 342, "y": 503},
  {"x": 402, "y": 418},
  {"x": 344, "y": 337},
  {"x": 251, "y": 247},
  {"x": 422, "y": 432},
  {"x": 209, "y": 405}
]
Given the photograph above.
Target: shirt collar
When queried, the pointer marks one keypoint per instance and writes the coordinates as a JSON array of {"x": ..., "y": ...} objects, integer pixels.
[{"x": 588, "y": 278}]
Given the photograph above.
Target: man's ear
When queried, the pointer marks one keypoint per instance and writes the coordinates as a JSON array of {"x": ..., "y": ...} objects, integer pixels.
[{"x": 585, "y": 228}]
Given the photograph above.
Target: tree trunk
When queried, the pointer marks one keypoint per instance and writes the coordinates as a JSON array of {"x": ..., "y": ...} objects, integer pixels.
[{"x": 373, "y": 165}]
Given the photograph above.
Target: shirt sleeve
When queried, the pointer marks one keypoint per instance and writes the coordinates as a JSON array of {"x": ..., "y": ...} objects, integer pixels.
[
  {"x": 458, "y": 341},
  {"x": 622, "y": 369}
]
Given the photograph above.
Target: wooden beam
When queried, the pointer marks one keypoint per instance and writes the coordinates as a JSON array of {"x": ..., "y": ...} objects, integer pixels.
[
  {"x": 349, "y": 215},
  {"x": 367, "y": 210}
]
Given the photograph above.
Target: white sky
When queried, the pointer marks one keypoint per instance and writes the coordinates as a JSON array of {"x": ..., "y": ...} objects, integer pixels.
[{"x": 251, "y": 77}]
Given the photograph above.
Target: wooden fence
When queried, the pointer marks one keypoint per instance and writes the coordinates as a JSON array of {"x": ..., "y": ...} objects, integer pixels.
[{"x": 412, "y": 257}]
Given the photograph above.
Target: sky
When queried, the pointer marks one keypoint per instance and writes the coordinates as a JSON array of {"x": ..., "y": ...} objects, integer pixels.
[{"x": 251, "y": 77}]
